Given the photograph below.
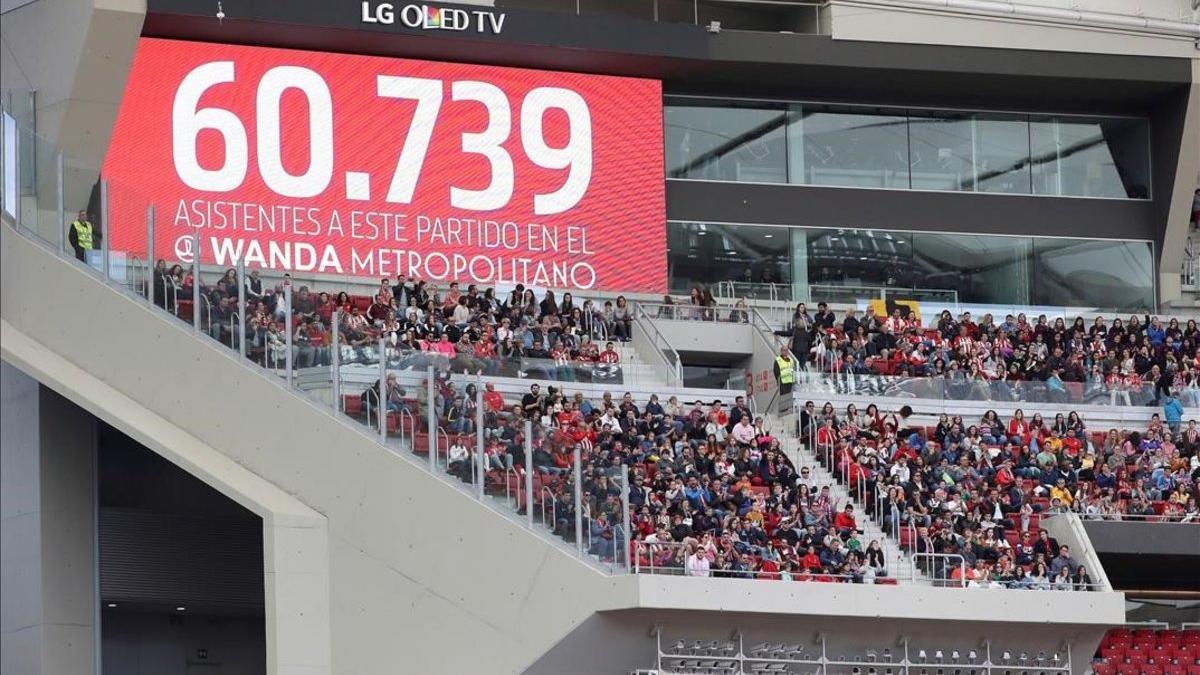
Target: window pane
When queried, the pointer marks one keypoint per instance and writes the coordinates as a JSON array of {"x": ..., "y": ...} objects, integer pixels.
[
  {"x": 982, "y": 269},
  {"x": 847, "y": 146},
  {"x": 1094, "y": 273},
  {"x": 1090, "y": 158},
  {"x": 942, "y": 152},
  {"x": 701, "y": 254},
  {"x": 727, "y": 142},
  {"x": 861, "y": 261},
  {"x": 1002, "y": 155}
]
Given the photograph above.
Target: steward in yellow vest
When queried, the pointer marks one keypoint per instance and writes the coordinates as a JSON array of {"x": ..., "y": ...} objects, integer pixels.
[
  {"x": 83, "y": 236},
  {"x": 785, "y": 372}
]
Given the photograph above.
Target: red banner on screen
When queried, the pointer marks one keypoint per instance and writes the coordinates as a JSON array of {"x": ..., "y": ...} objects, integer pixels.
[{"x": 371, "y": 166}]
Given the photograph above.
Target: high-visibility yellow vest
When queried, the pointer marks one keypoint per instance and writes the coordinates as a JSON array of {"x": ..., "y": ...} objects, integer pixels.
[
  {"x": 83, "y": 234},
  {"x": 786, "y": 375}
]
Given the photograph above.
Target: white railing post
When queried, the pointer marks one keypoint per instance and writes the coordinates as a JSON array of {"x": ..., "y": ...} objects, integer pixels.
[
  {"x": 242, "y": 317},
  {"x": 431, "y": 415},
  {"x": 287, "y": 327},
  {"x": 626, "y": 545},
  {"x": 196, "y": 293},
  {"x": 383, "y": 391},
  {"x": 17, "y": 207},
  {"x": 578, "y": 489},
  {"x": 529, "y": 473},
  {"x": 480, "y": 459},
  {"x": 335, "y": 358},
  {"x": 151, "y": 264},
  {"x": 106, "y": 229},
  {"x": 60, "y": 207}
]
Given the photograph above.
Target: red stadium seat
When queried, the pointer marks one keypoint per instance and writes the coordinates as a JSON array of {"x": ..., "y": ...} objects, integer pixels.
[{"x": 1115, "y": 652}]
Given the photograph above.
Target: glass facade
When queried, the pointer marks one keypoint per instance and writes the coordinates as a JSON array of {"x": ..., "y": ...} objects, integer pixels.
[
  {"x": 741, "y": 143},
  {"x": 848, "y": 147},
  {"x": 1090, "y": 157},
  {"x": 703, "y": 253},
  {"x": 844, "y": 265},
  {"x": 860, "y": 146}
]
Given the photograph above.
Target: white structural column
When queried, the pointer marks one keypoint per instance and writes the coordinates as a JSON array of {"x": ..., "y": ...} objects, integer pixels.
[{"x": 48, "y": 531}]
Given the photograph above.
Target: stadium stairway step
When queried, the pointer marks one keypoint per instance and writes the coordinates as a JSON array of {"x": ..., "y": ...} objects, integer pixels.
[{"x": 899, "y": 563}]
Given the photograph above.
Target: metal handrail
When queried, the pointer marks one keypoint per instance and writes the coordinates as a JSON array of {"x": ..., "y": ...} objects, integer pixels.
[
  {"x": 207, "y": 305},
  {"x": 442, "y": 433},
  {"x": 673, "y": 368},
  {"x": 933, "y": 558},
  {"x": 412, "y": 425},
  {"x": 763, "y": 329},
  {"x": 546, "y": 492},
  {"x": 174, "y": 293},
  {"x": 508, "y": 486},
  {"x": 143, "y": 273}
]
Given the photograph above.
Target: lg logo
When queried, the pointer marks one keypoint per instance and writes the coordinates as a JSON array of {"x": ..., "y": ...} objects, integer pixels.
[
  {"x": 184, "y": 248},
  {"x": 427, "y": 17}
]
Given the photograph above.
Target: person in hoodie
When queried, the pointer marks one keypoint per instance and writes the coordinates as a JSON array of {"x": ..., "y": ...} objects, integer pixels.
[{"x": 1173, "y": 412}]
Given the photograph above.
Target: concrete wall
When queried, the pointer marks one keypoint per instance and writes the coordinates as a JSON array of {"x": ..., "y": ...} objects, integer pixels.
[
  {"x": 43, "y": 581},
  {"x": 707, "y": 336},
  {"x": 1142, "y": 538},
  {"x": 1067, "y": 529},
  {"x": 852, "y": 621},
  {"x": 75, "y": 54},
  {"x": 47, "y": 539},
  {"x": 72, "y": 57},
  {"x": 885, "y": 21}
]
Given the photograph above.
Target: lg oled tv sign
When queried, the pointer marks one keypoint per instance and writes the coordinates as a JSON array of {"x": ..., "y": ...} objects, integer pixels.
[
  {"x": 372, "y": 166},
  {"x": 430, "y": 17}
]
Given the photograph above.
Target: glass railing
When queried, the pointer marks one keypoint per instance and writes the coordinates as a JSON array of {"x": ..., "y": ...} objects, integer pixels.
[
  {"x": 736, "y": 313},
  {"x": 649, "y": 337},
  {"x": 753, "y": 290},
  {"x": 964, "y": 389}
]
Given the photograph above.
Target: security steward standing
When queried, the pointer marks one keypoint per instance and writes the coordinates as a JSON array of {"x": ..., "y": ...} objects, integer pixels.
[
  {"x": 785, "y": 375},
  {"x": 83, "y": 235}
]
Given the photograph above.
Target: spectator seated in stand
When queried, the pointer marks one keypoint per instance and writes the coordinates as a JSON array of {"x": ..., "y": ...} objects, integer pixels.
[
  {"x": 1134, "y": 362},
  {"x": 978, "y": 490}
]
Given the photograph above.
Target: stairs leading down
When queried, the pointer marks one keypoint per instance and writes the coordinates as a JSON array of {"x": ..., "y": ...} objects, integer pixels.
[{"x": 899, "y": 563}]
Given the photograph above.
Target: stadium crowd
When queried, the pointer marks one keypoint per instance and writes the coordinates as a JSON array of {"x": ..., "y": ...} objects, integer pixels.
[
  {"x": 1133, "y": 362},
  {"x": 711, "y": 492},
  {"x": 466, "y": 330},
  {"x": 977, "y": 489}
]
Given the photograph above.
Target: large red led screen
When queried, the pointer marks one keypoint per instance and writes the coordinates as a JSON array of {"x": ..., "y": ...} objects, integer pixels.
[{"x": 371, "y": 166}]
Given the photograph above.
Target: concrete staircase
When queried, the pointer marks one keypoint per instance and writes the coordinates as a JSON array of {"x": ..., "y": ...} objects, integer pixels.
[{"x": 899, "y": 563}]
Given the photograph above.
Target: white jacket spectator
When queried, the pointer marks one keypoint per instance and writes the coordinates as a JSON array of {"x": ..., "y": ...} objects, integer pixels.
[
  {"x": 697, "y": 564},
  {"x": 743, "y": 432}
]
